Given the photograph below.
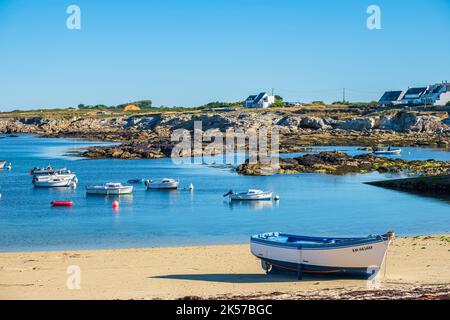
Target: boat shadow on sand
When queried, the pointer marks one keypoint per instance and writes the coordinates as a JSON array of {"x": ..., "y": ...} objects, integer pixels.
[{"x": 246, "y": 278}]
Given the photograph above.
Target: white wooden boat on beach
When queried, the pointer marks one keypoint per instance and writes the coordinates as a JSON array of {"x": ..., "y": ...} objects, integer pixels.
[
  {"x": 55, "y": 180},
  {"x": 110, "y": 188},
  {"x": 356, "y": 257},
  {"x": 251, "y": 194},
  {"x": 165, "y": 183}
]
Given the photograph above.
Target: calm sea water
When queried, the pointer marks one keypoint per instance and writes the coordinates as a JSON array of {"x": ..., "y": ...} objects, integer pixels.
[{"x": 312, "y": 204}]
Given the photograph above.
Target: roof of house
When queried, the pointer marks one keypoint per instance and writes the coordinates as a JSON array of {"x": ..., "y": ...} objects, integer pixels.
[
  {"x": 437, "y": 89},
  {"x": 259, "y": 97},
  {"x": 251, "y": 98},
  {"x": 391, "y": 96},
  {"x": 415, "y": 91}
]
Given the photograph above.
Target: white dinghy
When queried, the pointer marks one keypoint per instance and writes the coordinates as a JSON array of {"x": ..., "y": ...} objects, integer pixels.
[
  {"x": 355, "y": 257},
  {"x": 54, "y": 180},
  {"x": 388, "y": 151},
  {"x": 110, "y": 188},
  {"x": 251, "y": 194},
  {"x": 165, "y": 183},
  {"x": 2, "y": 163}
]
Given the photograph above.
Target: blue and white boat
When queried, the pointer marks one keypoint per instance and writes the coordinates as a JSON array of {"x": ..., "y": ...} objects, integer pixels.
[
  {"x": 164, "y": 184},
  {"x": 251, "y": 194},
  {"x": 353, "y": 257},
  {"x": 388, "y": 151}
]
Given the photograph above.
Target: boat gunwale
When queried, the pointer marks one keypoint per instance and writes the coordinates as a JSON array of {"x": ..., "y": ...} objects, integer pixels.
[{"x": 320, "y": 245}]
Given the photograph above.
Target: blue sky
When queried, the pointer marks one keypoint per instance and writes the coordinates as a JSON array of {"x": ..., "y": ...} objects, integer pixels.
[{"x": 186, "y": 53}]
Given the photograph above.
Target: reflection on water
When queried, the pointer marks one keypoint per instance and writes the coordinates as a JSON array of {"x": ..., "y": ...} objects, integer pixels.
[{"x": 254, "y": 204}]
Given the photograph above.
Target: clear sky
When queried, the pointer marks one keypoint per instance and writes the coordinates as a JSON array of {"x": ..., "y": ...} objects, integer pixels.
[{"x": 186, "y": 53}]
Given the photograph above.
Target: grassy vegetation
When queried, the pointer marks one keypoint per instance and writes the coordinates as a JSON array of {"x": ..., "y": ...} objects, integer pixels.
[
  {"x": 317, "y": 108},
  {"x": 108, "y": 111}
]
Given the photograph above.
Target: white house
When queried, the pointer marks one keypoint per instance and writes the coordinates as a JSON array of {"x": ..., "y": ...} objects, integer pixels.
[
  {"x": 436, "y": 95},
  {"x": 391, "y": 98},
  {"x": 414, "y": 95},
  {"x": 262, "y": 100}
]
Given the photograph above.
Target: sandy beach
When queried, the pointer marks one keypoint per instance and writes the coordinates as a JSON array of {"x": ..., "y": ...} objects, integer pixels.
[{"x": 416, "y": 267}]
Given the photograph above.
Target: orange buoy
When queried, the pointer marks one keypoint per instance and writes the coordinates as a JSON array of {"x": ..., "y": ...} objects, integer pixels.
[
  {"x": 115, "y": 204},
  {"x": 57, "y": 203}
]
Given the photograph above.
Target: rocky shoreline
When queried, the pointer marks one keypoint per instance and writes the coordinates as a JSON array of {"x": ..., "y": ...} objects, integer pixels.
[
  {"x": 149, "y": 135},
  {"x": 338, "y": 163},
  {"x": 430, "y": 185}
]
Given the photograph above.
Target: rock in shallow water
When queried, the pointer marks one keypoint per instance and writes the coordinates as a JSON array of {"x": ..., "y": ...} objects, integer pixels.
[{"x": 336, "y": 162}]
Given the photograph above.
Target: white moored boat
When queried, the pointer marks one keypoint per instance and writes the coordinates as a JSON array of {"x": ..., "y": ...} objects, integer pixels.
[
  {"x": 110, "y": 188},
  {"x": 360, "y": 257},
  {"x": 387, "y": 151},
  {"x": 163, "y": 184},
  {"x": 251, "y": 194},
  {"x": 2, "y": 163},
  {"x": 54, "y": 180}
]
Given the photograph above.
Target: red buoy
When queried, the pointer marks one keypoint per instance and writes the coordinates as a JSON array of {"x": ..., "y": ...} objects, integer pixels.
[
  {"x": 115, "y": 204},
  {"x": 57, "y": 203}
]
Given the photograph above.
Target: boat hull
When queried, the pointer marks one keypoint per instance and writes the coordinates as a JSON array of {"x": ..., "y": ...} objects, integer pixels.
[
  {"x": 111, "y": 191},
  {"x": 2, "y": 164},
  {"x": 52, "y": 182},
  {"x": 313, "y": 270},
  {"x": 392, "y": 152},
  {"x": 250, "y": 197},
  {"x": 162, "y": 186},
  {"x": 361, "y": 259}
]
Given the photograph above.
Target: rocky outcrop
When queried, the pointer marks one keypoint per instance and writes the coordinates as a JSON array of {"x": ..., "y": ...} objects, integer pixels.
[
  {"x": 306, "y": 128},
  {"x": 432, "y": 185},
  {"x": 402, "y": 121},
  {"x": 314, "y": 123},
  {"x": 358, "y": 124},
  {"x": 341, "y": 163},
  {"x": 412, "y": 122}
]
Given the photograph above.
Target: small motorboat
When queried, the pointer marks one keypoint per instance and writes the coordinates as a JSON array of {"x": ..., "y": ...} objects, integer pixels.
[
  {"x": 2, "y": 163},
  {"x": 59, "y": 203},
  {"x": 388, "y": 151},
  {"x": 251, "y": 194},
  {"x": 165, "y": 183},
  {"x": 355, "y": 257},
  {"x": 110, "y": 188},
  {"x": 54, "y": 180}
]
